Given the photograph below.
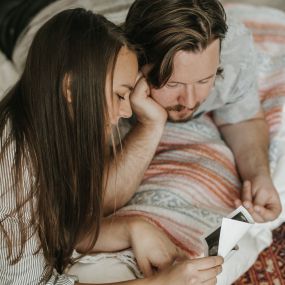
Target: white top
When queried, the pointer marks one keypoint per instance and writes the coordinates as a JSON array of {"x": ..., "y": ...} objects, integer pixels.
[{"x": 30, "y": 268}]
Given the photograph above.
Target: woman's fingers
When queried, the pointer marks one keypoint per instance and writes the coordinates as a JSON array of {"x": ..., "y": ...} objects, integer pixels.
[
  {"x": 145, "y": 267},
  {"x": 211, "y": 273},
  {"x": 207, "y": 262}
]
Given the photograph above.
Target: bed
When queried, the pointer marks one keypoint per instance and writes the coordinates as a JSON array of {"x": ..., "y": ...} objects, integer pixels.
[{"x": 178, "y": 212}]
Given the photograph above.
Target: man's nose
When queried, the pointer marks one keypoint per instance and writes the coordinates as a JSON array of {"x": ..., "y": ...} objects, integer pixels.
[{"x": 187, "y": 97}]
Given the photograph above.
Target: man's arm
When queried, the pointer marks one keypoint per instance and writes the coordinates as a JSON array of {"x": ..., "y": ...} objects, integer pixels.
[{"x": 249, "y": 141}]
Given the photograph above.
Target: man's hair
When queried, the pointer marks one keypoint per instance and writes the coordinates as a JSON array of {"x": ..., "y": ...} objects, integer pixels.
[{"x": 160, "y": 28}]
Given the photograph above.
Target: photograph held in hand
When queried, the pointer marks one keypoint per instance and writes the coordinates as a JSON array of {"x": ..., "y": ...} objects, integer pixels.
[{"x": 222, "y": 240}]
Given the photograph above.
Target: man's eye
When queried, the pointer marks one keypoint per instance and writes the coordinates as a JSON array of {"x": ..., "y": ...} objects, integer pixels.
[
  {"x": 172, "y": 84},
  {"x": 204, "y": 81}
]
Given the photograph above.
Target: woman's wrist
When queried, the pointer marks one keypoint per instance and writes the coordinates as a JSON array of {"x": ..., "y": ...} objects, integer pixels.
[
  {"x": 114, "y": 235},
  {"x": 133, "y": 224}
]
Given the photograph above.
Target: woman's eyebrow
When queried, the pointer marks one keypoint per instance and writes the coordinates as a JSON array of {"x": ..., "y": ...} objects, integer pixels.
[{"x": 131, "y": 88}]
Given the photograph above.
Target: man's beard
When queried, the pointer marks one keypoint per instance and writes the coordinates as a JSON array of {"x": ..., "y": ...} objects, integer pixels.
[{"x": 179, "y": 108}]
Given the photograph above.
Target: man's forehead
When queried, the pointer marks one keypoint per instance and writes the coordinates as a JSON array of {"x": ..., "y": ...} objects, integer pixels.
[{"x": 196, "y": 65}]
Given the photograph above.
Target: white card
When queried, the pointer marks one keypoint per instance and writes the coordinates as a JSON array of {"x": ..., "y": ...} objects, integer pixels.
[
  {"x": 223, "y": 239},
  {"x": 231, "y": 232}
]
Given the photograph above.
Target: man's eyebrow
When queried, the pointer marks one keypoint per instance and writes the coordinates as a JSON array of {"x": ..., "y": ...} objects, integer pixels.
[
  {"x": 206, "y": 78},
  {"x": 131, "y": 88}
]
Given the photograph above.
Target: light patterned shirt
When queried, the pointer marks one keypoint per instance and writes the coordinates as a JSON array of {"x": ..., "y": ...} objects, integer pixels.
[{"x": 234, "y": 97}]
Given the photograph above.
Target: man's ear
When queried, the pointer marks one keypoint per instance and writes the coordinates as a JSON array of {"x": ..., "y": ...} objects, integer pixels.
[{"x": 67, "y": 88}]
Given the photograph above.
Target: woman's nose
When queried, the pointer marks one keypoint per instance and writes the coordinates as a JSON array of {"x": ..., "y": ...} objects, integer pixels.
[{"x": 126, "y": 110}]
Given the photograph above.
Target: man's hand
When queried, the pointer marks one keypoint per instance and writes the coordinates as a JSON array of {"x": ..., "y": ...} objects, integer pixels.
[
  {"x": 261, "y": 199},
  {"x": 152, "y": 248}
]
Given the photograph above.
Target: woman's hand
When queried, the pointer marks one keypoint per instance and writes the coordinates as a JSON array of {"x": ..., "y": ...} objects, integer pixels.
[
  {"x": 152, "y": 248},
  {"x": 192, "y": 272},
  {"x": 154, "y": 252},
  {"x": 148, "y": 111}
]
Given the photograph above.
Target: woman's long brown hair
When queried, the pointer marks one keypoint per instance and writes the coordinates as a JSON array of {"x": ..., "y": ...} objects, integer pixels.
[{"x": 65, "y": 154}]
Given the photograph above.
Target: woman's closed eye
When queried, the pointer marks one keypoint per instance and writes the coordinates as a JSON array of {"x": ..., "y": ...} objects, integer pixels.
[{"x": 121, "y": 97}]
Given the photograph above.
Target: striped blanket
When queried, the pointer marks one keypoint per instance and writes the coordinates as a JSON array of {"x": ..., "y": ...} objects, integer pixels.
[{"x": 192, "y": 181}]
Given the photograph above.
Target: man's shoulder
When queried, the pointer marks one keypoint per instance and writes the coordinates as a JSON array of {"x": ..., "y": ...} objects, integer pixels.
[
  {"x": 237, "y": 36},
  {"x": 238, "y": 54}
]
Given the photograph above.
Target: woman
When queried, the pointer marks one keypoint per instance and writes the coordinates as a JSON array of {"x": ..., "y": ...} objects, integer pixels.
[{"x": 55, "y": 127}]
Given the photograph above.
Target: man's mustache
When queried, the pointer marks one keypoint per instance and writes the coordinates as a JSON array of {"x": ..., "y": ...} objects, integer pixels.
[{"x": 179, "y": 108}]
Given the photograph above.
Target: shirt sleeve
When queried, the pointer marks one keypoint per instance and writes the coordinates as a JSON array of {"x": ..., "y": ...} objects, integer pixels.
[
  {"x": 239, "y": 85},
  {"x": 31, "y": 266}
]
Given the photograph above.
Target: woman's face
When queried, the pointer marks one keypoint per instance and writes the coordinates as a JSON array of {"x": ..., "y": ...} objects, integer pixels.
[{"x": 124, "y": 78}]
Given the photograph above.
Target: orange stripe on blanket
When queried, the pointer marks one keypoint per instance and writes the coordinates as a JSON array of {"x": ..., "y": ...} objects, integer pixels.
[
  {"x": 201, "y": 149},
  {"x": 269, "y": 38},
  {"x": 253, "y": 25},
  {"x": 272, "y": 93},
  {"x": 274, "y": 119},
  {"x": 205, "y": 177}
]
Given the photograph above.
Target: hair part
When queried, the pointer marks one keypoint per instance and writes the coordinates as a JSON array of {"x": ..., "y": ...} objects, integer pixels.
[{"x": 161, "y": 28}]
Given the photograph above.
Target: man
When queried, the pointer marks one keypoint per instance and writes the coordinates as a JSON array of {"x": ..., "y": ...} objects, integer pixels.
[{"x": 192, "y": 69}]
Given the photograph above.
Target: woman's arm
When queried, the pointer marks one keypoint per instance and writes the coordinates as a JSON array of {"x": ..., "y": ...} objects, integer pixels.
[
  {"x": 144, "y": 281},
  {"x": 114, "y": 236},
  {"x": 191, "y": 272},
  {"x": 152, "y": 248}
]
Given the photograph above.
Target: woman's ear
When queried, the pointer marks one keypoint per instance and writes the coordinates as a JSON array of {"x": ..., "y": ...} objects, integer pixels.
[
  {"x": 146, "y": 69},
  {"x": 67, "y": 88}
]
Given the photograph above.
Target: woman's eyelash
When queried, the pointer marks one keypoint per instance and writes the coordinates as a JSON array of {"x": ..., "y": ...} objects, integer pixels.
[{"x": 120, "y": 97}]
